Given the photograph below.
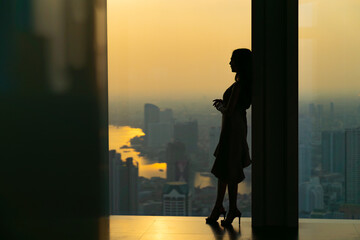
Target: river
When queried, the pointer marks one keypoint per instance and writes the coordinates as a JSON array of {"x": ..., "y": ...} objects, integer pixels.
[{"x": 120, "y": 136}]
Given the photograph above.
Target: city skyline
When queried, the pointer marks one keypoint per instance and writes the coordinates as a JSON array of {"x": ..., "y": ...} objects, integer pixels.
[{"x": 323, "y": 181}]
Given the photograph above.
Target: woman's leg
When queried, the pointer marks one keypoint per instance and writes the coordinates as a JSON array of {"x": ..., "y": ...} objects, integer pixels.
[
  {"x": 218, "y": 208},
  {"x": 233, "y": 191},
  {"x": 220, "y": 193},
  {"x": 233, "y": 211}
]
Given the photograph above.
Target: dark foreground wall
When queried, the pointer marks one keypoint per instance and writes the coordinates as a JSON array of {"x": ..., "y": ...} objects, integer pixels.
[
  {"x": 275, "y": 115},
  {"x": 53, "y": 88}
]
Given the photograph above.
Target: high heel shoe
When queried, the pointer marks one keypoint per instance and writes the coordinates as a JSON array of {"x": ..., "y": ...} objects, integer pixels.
[
  {"x": 230, "y": 217},
  {"x": 214, "y": 216}
]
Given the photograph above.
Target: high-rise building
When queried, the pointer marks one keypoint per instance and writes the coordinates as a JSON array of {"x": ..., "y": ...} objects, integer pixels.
[
  {"x": 352, "y": 170},
  {"x": 304, "y": 163},
  {"x": 130, "y": 175},
  {"x": 333, "y": 151},
  {"x": 333, "y": 191},
  {"x": 159, "y": 134},
  {"x": 182, "y": 171},
  {"x": 166, "y": 115},
  {"x": 312, "y": 110},
  {"x": 187, "y": 133},
  {"x": 320, "y": 119},
  {"x": 151, "y": 115},
  {"x": 176, "y": 199},
  {"x": 311, "y": 195},
  {"x": 305, "y": 130},
  {"x": 114, "y": 180},
  {"x": 177, "y": 162},
  {"x": 332, "y": 110},
  {"x": 158, "y": 126},
  {"x": 123, "y": 185}
]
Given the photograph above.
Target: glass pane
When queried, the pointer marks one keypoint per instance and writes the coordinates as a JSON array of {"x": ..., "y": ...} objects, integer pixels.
[
  {"x": 167, "y": 61},
  {"x": 329, "y": 112}
]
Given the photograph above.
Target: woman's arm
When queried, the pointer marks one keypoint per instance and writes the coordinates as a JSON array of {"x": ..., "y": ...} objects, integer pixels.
[{"x": 234, "y": 98}]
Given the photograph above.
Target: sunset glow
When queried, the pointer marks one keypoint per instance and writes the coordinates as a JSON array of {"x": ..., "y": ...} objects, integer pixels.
[
  {"x": 181, "y": 49},
  {"x": 174, "y": 49}
]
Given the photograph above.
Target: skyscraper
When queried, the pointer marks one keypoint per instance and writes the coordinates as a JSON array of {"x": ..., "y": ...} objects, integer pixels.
[
  {"x": 312, "y": 110},
  {"x": 158, "y": 126},
  {"x": 159, "y": 134},
  {"x": 320, "y": 119},
  {"x": 187, "y": 133},
  {"x": 151, "y": 115},
  {"x": 123, "y": 185},
  {"x": 114, "y": 180},
  {"x": 304, "y": 163},
  {"x": 332, "y": 110},
  {"x": 176, "y": 199},
  {"x": 352, "y": 171},
  {"x": 177, "y": 162},
  {"x": 333, "y": 151},
  {"x": 311, "y": 195},
  {"x": 166, "y": 115}
]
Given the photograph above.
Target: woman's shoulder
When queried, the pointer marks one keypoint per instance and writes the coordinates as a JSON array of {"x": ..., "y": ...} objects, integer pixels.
[{"x": 237, "y": 85}]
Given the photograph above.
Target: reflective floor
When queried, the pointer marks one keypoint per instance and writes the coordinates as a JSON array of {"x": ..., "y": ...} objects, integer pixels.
[{"x": 194, "y": 228}]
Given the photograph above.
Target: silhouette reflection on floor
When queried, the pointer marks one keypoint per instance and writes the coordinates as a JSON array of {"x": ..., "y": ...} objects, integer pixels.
[{"x": 194, "y": 228}]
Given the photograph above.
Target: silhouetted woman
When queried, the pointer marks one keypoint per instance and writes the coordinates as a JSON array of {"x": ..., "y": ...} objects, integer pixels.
[{"x": 232, "y": 151}]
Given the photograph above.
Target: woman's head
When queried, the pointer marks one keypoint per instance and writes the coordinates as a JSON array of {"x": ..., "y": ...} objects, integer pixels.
[{"x": 241, "y": 62}]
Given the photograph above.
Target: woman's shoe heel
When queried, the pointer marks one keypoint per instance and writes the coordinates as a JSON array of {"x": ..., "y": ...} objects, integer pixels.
[
  {"x": 228, "y": 221},
  {"x": 212, "y": 220}
]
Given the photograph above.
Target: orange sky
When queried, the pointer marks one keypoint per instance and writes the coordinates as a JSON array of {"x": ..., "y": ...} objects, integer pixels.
[
  {"x": 174, "y": 48},
  {"x": 181, "y": 48},
  {"x": 329, "y": 50}
]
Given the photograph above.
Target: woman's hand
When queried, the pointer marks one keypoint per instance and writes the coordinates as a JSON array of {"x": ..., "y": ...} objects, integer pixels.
[{"x": 218, "y": 104}]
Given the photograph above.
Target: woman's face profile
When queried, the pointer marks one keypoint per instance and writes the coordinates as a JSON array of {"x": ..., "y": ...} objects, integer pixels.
[{"x": 233, "y": 65}]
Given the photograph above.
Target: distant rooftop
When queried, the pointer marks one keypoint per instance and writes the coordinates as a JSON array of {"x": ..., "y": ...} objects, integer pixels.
[{"x": 181, "y": 187}]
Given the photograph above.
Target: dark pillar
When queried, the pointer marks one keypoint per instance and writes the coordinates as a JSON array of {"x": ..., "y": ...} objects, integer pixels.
[
  {"x": 275, "y": 114},
  {"x": 53, "y": 88}
]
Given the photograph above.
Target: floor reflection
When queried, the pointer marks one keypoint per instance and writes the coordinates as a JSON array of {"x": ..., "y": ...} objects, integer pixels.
[
  {"x": 195, "y": 228},
  {"x": 219, "y": 232}
]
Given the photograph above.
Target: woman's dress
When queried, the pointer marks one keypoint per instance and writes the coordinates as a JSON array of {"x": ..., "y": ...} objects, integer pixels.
[{"x": 232, "y": 151}]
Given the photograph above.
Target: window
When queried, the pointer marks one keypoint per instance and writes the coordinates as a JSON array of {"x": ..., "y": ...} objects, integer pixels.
[
  {"x": 329, "y": 110},
  {"x": 167, "y": 61}
]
